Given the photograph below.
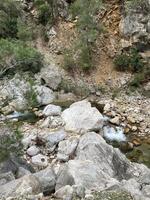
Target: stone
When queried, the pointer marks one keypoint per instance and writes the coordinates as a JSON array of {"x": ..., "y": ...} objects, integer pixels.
[
  {"x": 79, "y": 190},
  {"x": 13, "y": 163},
  {"x": 55, "y": 137},
  {"x": 93, "y": 147},
  {"x": 80, "y": 116},
  {"x": 136, "y": 142},
  {"x": 33, "y": 151},
  {"x": 115, "y": 120},
  {"x": 131, "y": 119},
  {"x": 47, "y": 179},
  {"x": 107, "y": 107},
  {"x": 79, "y": 172},
  {"x": 45, "y": 95},
  {"x": 134, "y": 128},
  {"x": 65, "y": 192},
  {"x": 67, "y": 148},
  {"x": 25, "y": 185},
  {"x": 22, "y": 172},
  {"x": 39, "y": 160},
  {"x": 51, "y": 76},
  {"x": 51, "y": 110},
  {"x": 6, "y": 177},
  {"x": 14, "y": 91}
]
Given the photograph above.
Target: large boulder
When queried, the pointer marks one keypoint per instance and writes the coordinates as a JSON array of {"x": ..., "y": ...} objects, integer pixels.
[
  {"x": 47, "y": 179},
  {"x": 14, "y": 91},
  {"x": 81, "y": 116},
  {"x": 99, "y": 166},
  {"x": 40, "y": 182},
  {"x": 94, "y": 148},
  {"x": 84, "y": 173}
]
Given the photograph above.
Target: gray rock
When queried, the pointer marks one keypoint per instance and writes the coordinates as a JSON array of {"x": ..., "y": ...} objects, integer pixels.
[
  {"x": 40, "y": 160},
  {"x": 14, "y": 91},
  {"x": 79, "y": 190},
  {"x": 22, "y": 172},
  {"x": 53, "y": 122},
  {"x": 65, "y": 192},
  {"x": 33, "y": 151},
  {"x": 51, "y": 76},
  {"x": 26, "y": 185},
  {"x": 13, "y": 163},
  {"x": 6, "y": 177},
  {"x": 93, "y": 147},
  {"x": 55, "y": 137},
  {"x": 45, "y": 95},
  {"x": 52, "y": 110},
  {"x": 47, "y": 179},
  {"x": 67, "y": 148},
  {"x": 85, "y": 173},
  {"x": 80, "y": 116}
]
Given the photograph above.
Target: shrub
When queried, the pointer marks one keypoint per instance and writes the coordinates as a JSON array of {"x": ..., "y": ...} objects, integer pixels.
[
  {"x": 122, "y": 62},
  {"x": 16, "y": 55},
  {"x": 135, "y": 60},
  {"x": 10, "y": 141},
  {"x": 9, "y": 12},
  {"x": 31, "y": 95},
  {"x": 47, "y": 11},
  {"x": 24, "y": 32},
  {"x": 129, "y": 61}
]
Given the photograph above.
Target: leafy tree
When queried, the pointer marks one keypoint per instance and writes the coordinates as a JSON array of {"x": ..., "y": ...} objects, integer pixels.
[{"x": 16, "y": 55}]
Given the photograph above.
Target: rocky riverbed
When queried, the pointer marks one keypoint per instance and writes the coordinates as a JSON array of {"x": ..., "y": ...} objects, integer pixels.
[{"x": 66, "y": 156}]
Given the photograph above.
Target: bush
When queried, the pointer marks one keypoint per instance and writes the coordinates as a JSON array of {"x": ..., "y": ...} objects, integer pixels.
[
  {"x": 9, "y": 12},
  {"x": 47, "y": 11},
  {"x": 10, "y": 142},
  {"x": 31, "y": 95},
  {"x": 24, "y": 32},
  {"x": 16, "y": 55},
  {"x": 122, "y": 62},
  {"x": 130, "y": 61}
]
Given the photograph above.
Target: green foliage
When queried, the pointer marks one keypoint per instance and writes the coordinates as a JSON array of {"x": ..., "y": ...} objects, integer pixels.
[
  {"x": 141, "y": 77},
  {"x": 24, "y": 32},
  {"x": 31, "y": 95},
  {"x": 9, "y": 13},
  {"x": 10, "y": 141},
  {"x": 16, "y": 55},
  {"x": 87, "y": 27},
  {"x": 122, "y": 62},
  {"x": 47, "y": 10},
  {"x": 130, "y": 61}
]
